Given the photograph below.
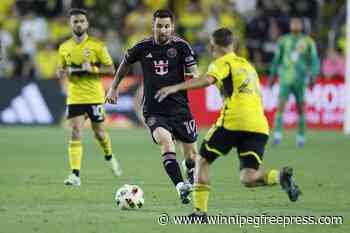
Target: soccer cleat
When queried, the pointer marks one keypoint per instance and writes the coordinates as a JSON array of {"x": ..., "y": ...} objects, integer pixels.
[
  {"x": 189, "y": 173},
  {"x": 73, "y": 180},
  {"x": 198, "y": 218},
  {"x": 277, "y": 137},
  {"x": 300, "y": 141},
  {"x": 115, "y": 165},
  {"x": 287, "y": 183},
  {"x": 184, "y": 190}
]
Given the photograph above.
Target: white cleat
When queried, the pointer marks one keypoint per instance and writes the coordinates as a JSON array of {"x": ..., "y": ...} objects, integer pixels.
[
  {"x": 73, "y": 180},
  {"x": 116, "y": 168},
  {"x": 184, "y": 190},
  {"x": 300, "y": 141},
  {"x": 277, "y": 138}
]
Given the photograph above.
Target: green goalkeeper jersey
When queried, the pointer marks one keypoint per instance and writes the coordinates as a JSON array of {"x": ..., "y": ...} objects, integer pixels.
[{"x": 297, "y": 57}]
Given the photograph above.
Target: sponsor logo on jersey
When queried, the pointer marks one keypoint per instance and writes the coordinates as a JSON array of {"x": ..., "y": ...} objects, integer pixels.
[{"x": 161, "y": 67}]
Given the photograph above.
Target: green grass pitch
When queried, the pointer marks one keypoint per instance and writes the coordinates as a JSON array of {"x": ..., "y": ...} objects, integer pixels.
[{"x": 34, "y": 163}]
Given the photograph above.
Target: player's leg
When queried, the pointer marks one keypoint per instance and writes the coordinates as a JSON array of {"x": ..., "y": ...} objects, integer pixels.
[
  {"x": 190, "y": 153},
  {"x": 75, "y": 149},
  {"x": 163, "y": 138},
  {"x": 201, "y": 187},
  {"x": 96, "y": 114},
  {"x": 104, "y": 141},
  {"x": 251, "y": 151},
  {"x": 282, "y": 100},
  {"x": 218, "y": 142},
  {"x": 299, "y": 94},
  {"x": 184, "y": 130}
]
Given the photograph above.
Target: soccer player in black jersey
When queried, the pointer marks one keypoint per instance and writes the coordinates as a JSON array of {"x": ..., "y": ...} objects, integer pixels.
[{"x": 164, "y": 58}]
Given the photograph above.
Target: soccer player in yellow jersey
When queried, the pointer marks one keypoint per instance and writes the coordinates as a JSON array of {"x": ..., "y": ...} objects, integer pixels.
[
  {"x": 242, "y": 123},
  {"x": 82, "y": 60}
]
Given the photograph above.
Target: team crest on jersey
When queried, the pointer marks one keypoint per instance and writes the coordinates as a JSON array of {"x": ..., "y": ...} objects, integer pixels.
[
  {"x": 171, "y": 53},
  {"x": 151, "y": 121},
  {"x": 301, "y": 46},
  {"x": 87, "y": 53}
]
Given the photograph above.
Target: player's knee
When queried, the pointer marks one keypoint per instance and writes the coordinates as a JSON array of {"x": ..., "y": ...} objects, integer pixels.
[
  {"x": 280, "y": 107},
  {"x": 191, "y": 153},
  {"x": 166, "y": 145},
  {"x": 164, "y": 140},
  {"x": 201, "y": 162},
  {"x": 247, "y": 180},
  {"x": 76, "y": 132}
]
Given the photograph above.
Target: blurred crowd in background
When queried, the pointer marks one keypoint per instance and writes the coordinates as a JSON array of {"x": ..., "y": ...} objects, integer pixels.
[{"x": 31, "y": 30}]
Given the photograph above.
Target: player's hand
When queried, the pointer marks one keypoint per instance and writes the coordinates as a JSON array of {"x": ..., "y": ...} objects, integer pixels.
[
  {"x": 62, "y": 73},
  {"x": 164, "y": 92},
  {"x": 270, "y": 80},
  {"x": 312, "y": 81},
  {"x": 112, "y": 96}
]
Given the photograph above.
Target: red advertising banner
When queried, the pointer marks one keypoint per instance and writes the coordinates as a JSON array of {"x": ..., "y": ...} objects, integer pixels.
[{"x": 324, "y": 107}]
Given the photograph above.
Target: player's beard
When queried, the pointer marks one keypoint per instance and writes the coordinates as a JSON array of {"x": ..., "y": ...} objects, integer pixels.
[
  {"x": 79, "y": 33},
  {"x": 296, "y": 32},
  {"x": 162, "y": 39}
]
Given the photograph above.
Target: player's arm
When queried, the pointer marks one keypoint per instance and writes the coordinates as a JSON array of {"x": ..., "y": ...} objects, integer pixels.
[
  {"x": 62, "y": 71},
  {"x": 195, "y": 83},
  {"x": 193, "y": 71},
  {"x": 315, "y": 62},
  {"x": 119, "y": 75},
  {"x": 276, "y": 61},
  {"x": 99, "y": 70},
  {"x": 106, "y": 67},
  {"x": 131, "y": 56}
]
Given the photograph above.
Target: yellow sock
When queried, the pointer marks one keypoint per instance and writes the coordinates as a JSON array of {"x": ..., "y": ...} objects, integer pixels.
[
  {"x": 200, "y": 195},
  {"x": 106, "y": 145},
  {"x": 271, "y": 177},
  {"x": 75, "y": 153}
]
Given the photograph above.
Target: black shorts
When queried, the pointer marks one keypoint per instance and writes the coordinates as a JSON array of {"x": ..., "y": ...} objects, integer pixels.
[
  {"x": 182, "y": 128},
  {"x": 96, "y": 112},
  {"x": 250, "y": 146}
]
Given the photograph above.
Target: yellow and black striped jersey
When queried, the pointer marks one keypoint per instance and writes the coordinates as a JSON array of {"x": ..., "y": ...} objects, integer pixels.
[
  {"x": 84, "y": 88},
  {"x": 243, "y": 109}
]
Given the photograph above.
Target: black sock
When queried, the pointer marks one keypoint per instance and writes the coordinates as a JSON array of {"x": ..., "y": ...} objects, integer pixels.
[
  {"x": 172, "y": 167},
  {"x": 190, "y": 169},
  {"x": 76, "y": 172},
  {"x": 189, "y": 164},
  {"x": 108, "y": 157}
]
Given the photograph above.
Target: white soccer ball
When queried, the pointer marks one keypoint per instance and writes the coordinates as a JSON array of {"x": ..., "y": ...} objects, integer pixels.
[{"x": 129, "y": 196}]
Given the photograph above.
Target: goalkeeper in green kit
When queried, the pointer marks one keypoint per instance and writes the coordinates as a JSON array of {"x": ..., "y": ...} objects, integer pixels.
[{"x": 298, "y": 65}]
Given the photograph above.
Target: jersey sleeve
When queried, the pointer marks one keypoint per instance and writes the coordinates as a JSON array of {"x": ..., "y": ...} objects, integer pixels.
[
  {"x": 188, "y": 56},
  {"x": 133, "y": 54},
  {"x": 219, "y": 71},
  {"x": 104, "y": 56},
  {"x": 315, "y": 61},
  {"x": 61, "y": 60},
  {"x": 277, "y": 57}
]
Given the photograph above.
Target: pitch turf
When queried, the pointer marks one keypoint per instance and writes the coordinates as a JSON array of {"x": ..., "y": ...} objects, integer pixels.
[{"x": 33, "y": 165}]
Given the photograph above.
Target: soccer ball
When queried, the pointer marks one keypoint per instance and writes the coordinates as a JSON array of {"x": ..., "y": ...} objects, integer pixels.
[{"x": 129, "y": 196}]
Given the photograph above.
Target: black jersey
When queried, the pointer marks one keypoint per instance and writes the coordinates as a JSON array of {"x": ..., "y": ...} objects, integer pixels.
[{"x": 162, "y": 65}]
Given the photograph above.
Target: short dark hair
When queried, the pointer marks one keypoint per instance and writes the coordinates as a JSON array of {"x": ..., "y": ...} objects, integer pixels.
[
  {"x": 162, "y": 13},
  {"x": 223, "y": 37},
  {"x": 78, "y": 11}
]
